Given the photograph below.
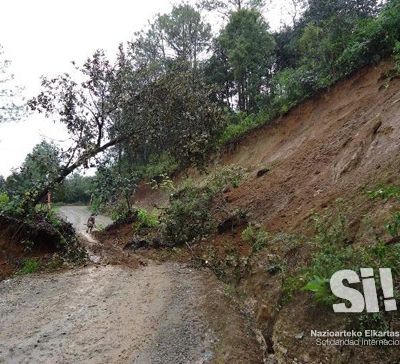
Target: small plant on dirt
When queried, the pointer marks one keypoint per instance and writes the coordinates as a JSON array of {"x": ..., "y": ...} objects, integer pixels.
[
  {"x": 384, "y": 192},
  {"x": 393, "y": 227},
  {"x": 163, "y": 182},
  {"x": 372, "y": 321},
  {"x": 146, "y": 219},
  {"x": 229, "y": 290},
  {"x": 29, "y": 266},
  {"x": 275, "y": 265},
  {"x": 321, "y": 290},
  {"x": 333, "y": 254},
  {"x": 226, "y": 177},
  {"x": 256, "y": 236},
  {"x": 397, "y": 56},
  {"x": 55, "y": 263},
  {"x": 331, "y": 228}
]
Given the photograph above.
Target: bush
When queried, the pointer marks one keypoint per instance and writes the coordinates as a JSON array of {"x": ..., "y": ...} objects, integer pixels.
[
  {"x": 29, "y": 266},
  {"x": 4, "y": 200},
  {"x": 120, "y": 213},
  {"x": 292, "y": 86},
  {"x": 321, "y": 290},
  {"x": 162, "y": 164},
  {"x": 146, "y": 219},
  {"x": 188, "y": 218},
  {"x": 225, "y": 177},
  {"x": 331, "y": 229},
  {"x": 393, "y": 227},
  {"x": 384, "y": 192},
  {"x": 397, "y": 56},
  {"x": 256, "y": 236}
]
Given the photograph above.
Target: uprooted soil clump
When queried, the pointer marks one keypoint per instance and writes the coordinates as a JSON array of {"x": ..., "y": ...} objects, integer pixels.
[{"x": 36, "y": 243}]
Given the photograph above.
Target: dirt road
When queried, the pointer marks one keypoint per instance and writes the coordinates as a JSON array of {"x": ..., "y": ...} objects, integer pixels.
[
  {"x": 107, "y": 314},
  {"x": 78, "y": 216}
]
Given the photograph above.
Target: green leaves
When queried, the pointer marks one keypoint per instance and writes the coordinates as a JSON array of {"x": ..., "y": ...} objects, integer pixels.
[
  {"x": 393, "y": 227},
  {"x": 320, "y": 289},
  {"x": 250, "y": 54},
  {"x": 179, "y": 36},
  {"x": 11, "y": 102}
]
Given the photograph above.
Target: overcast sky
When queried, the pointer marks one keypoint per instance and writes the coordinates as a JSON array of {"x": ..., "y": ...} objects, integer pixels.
[{"x": 42, "y": 37}]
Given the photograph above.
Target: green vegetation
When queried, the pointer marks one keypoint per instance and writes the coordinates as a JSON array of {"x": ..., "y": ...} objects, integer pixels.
[
  {"x": 158, "y": 165},
  {"x": 146, "y": 219},
  {"x": 384, "y": 192},
  {"x": 393, "y": 227},
  {"x": 176, "y": 93},
  {"x": 397, "y": 56},
  {"x": 328, "y": 43},
  {"x": 29, "y": 266},
  {"x": 320, "y": 288},
  {"x": 4, "y": 200},
  {"x": 333, "y": 253},
  {"x": 256, "y": 236},
  {"x": 189, "y": 216}
]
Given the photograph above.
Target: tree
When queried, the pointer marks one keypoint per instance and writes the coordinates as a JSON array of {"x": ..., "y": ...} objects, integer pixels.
[
  {"x": 319, "y": 10},
  {"x": 11, "y": 106},
  {"x": 2, "y": 183},
  {"x": 74, "y": 189},
  {"x": 250, "y": 50},
  {"x": 115, "y": 103},
  {"x": 38, "y": 169},
  {"x": 229, "y": 6},
  {"x": 185, "y": 33},
  {"x": 112, "y": 183},
  {"x": 287, "y": 50},
  {"x": 218, "y": 72},
  {"x": 89, "y": 109},
  {"x": 181, "y": 36}
]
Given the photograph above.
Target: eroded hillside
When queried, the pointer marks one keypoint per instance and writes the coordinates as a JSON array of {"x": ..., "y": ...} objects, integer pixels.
[
  {"x": 327, "y": 148},
  {"x": 329, "y": 151}
]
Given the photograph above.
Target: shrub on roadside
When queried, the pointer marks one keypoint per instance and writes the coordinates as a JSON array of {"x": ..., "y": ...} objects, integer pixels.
[
  {"x": 188, "y": 217},
  {"x": 29, "y": 266}
]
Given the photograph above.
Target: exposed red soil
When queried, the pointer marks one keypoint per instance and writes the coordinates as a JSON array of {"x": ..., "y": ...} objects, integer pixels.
[
  {"x": 14, "y": 244},
  {"x": 329, "y": 147}
]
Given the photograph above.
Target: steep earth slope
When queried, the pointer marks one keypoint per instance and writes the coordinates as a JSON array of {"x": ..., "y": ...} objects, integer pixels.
[{"x": 331, "y": 146}]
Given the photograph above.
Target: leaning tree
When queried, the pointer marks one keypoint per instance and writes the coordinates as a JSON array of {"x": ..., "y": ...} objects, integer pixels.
[{"x": 117, "y": 102}]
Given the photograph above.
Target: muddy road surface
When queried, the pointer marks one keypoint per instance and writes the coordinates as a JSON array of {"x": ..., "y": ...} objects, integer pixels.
[
  {"x": 109, "y": 313},
  {"x": 105, "y": 314},
  {"x": 78, "y": 216}
]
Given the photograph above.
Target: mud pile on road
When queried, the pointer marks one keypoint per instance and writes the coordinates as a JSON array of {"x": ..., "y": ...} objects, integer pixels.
[{"x": 35, "y": 239}]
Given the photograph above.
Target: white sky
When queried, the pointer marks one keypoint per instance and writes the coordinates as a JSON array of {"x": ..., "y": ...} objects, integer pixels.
[{"x": 42, "y": 37}]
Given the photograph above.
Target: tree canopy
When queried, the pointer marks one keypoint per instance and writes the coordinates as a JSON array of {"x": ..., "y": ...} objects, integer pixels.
[
  {"x": 11, "y": 103},
  {"x": 177, "y": 91}
]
